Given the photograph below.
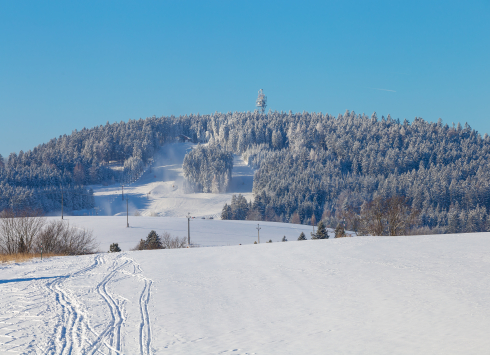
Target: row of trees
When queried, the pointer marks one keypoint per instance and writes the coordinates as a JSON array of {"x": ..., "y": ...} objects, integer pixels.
[
  {"x": 324, "y": 164},
  {"x": 27, "y": 232},
  {"x": 308, "y": 164},
  {"x": 380, "y": 216},
  {"x": 165, "y": 241}
]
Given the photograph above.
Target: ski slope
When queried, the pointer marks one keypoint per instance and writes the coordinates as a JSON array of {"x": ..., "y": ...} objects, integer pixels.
[
  {"x": 366, "y": 295},
  {"x": 159, "y": 192}
]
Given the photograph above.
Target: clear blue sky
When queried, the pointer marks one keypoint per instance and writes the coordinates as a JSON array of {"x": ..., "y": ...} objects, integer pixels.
[{"x": 68, "y": 65}]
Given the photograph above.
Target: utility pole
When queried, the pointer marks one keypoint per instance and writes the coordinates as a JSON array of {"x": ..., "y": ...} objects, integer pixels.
[
  {"x": 127, "y": 213},
  {"x": 188, "y": 229},
  {"x": 258, "y": 232},
  {"x": 122, "y": 194},
  {"x": 61, "y": 201}
]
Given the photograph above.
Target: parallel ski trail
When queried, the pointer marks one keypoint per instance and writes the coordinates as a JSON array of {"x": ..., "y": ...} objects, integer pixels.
[
  {"x": 70, "y": 333},
  {"x": 73, "y": 332},
  {"x": 145, "y": 333},
  {"x": 111, "y": 335},
  {"x": 145, "y": 326}
]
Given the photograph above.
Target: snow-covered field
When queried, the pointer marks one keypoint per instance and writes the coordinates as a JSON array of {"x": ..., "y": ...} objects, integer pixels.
[
  {"x": 204, "y": 232},
  {"x": 159, "y": 190},
  {"x": 365, "y": 295}
]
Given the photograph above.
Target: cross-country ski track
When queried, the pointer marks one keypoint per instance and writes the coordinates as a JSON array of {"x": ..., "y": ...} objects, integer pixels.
[{"x": 70, "y": 302}]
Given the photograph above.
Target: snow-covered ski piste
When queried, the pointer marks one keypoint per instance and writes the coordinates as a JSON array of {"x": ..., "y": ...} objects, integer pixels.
[
  {"x": 159, "y": 190},
  {"x": 364, "y": 295}
]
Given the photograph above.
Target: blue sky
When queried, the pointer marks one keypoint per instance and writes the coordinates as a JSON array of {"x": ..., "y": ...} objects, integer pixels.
[{"x": 68, "y": 65}]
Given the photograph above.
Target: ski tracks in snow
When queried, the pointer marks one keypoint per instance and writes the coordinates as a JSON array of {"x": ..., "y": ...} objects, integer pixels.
[
  {"x": 79, "y": 333},
  {"x": 144, "y": 300}
]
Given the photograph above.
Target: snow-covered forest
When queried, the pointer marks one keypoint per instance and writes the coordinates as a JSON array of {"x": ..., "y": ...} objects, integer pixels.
[
  {"x": 208, "y": 169},
  {"x": 315, "y": 166},
  {"x": 114, "y": 153},
  {"x": 309, "y": 166}
]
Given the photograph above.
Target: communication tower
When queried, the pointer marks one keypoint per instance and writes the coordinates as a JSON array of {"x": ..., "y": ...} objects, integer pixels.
[{"x": 261, "y": 101}]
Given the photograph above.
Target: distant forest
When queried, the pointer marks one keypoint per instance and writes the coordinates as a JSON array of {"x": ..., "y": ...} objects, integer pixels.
[{"x": 309, "y": 166}]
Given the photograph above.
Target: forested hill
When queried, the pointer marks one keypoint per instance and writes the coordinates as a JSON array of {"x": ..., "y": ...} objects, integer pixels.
[
  {"x": 318, "y": 166},
  {"x": 104, "y": 154},
  {"x": 308, "y": 164}
]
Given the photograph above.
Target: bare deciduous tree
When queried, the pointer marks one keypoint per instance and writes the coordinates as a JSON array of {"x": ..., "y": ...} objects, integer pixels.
[
  {"x": 170, "y": 242},
  {"x": 390, "y": 216},
  {"x": 373, "y": 216},
  {"x": 399, "y": 215},
  {"x": 27, "y": 232},
  {"x": 18, "y": 231}
]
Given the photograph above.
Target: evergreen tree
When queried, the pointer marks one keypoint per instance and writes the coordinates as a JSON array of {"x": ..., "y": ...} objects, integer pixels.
[
  {"x": 226, "y": 213},
  {"x": 321, "y": 232},
  {"x": 302, "y": 236},
  {"x": 153, "y": 241}
]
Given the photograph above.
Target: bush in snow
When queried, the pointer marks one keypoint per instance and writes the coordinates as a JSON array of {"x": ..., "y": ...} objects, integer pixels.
[
  {"x": 58, "y": 237},
  {"x": 340, "y": 231},
  {"x": 26, "y": 232},
  {"x": 114, "y": 248},
  {"x": 170, "y": 242}
]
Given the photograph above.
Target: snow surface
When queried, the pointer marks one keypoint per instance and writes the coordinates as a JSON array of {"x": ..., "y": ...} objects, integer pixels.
[
  {"x": 365, "y": 295},
  {"x": 159, "y": 190}
]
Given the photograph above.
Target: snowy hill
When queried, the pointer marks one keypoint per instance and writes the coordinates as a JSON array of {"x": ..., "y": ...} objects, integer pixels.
[
  {"x": 159, "y": 190},
  {"x": 367, "y": 295}
]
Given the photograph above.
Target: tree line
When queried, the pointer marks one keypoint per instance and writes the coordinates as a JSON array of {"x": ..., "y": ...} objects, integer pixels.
[{"x": 309, "y": 166}]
